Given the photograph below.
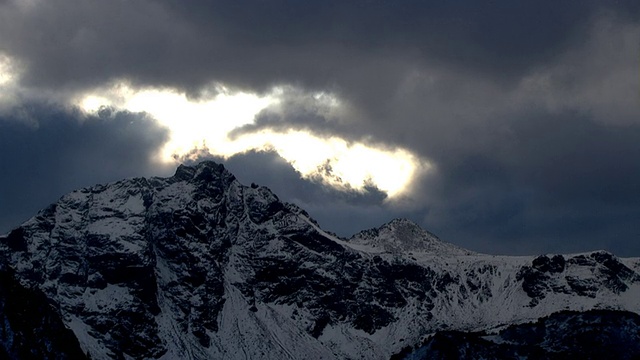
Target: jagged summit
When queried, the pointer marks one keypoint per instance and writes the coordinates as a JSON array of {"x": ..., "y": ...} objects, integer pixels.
[
  {"x": 199, "y": 266},
  {"x": 403, "y": 236},
  {"x": 202, "y": 171}
]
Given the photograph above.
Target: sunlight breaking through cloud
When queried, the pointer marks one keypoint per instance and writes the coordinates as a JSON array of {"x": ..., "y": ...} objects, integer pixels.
[
  {"x": 8, "y": 81},
  {"x": 204, "y": 125}
]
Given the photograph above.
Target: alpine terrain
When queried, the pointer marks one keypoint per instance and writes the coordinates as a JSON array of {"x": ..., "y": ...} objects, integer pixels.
[{"x": 199, "y": 266}]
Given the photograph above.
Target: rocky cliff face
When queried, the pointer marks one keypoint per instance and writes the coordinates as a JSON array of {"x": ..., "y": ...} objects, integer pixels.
[{"x": 198, "y": 266}]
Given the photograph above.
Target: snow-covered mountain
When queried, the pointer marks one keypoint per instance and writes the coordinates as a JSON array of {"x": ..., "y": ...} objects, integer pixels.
[{"x": 198, "y": 266}]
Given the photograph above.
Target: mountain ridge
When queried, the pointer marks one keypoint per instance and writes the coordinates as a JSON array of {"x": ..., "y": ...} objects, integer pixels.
[
  {"x": 403, "y": 235},
  {"x": 198, "y": 266}
]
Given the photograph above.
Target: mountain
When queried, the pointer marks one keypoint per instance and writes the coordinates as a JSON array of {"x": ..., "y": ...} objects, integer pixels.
[{"x": 198, "y": 266}]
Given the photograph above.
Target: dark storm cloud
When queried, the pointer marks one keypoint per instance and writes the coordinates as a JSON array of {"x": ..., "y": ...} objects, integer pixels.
[
  {"x": 557, "y": 182},
  {"x": 299, "y": 110},
  {"x": 528, "y": 111},
  {"x": 60, "y": 150},
  {"x": 255, "y": 43}
]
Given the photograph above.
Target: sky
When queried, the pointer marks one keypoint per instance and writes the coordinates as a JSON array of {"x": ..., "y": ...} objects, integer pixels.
[{"x": 506, "y": 127}]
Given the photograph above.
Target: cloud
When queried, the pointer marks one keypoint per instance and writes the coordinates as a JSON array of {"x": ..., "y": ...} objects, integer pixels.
[
  {"x": 528, "y": 114},
  {"x": 556, "y": 181},
  {"x": 599, "y": 77},
  {"x": 224, "y": 125},
  {"x": 259, "y": 44},
  {"x": 62, "y": 150}
]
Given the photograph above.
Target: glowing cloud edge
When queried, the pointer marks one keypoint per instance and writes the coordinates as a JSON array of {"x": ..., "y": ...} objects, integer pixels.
[{"x": 203, "y": 125}]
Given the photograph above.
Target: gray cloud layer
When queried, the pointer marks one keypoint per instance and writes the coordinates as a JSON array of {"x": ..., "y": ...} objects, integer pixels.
[{"x": 530, "y": 112}]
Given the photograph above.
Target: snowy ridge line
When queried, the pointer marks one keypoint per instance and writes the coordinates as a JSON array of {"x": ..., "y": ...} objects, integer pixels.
[{"x": 198, "y": 266}]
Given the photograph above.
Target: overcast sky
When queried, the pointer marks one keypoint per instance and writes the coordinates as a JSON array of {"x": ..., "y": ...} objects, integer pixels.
[{"x": 506, "y": 127}]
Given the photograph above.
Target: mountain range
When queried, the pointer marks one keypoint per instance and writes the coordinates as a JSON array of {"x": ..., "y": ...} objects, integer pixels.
[{"x": 199, "y": 266}]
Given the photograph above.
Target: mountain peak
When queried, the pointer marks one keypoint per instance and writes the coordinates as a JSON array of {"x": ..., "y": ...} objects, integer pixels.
[
  {"x": 184, "y": 172},
  {"x": 402, "y": 223},
  {"x": 206, "y": 170},
  {"x": 402, "y": 235}
]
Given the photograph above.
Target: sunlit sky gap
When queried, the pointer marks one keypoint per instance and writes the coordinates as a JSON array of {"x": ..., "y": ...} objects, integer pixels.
[{"x": 206, "y": 123}]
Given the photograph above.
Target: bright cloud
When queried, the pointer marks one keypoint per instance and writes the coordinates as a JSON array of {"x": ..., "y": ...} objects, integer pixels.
[
  {"x": 5, "y": 70},
  {"x": 335, "y": 161},
  {"x": 8, "y": 81},
  {"x": 205, "y": 124}
]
